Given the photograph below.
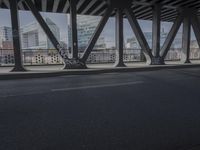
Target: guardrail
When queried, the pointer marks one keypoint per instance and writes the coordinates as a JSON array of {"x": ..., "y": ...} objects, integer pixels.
[{"x": 98, "y": 56}]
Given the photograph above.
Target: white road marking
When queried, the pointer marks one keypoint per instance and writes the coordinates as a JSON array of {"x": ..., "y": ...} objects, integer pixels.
[
  {"x": 97, "y": 86},
  {"x": 25, "y": 94},
  {"x": 72, "y": 89}
]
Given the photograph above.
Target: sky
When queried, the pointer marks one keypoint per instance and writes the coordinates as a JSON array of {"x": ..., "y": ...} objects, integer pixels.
[{"x": 61, "y": 20}]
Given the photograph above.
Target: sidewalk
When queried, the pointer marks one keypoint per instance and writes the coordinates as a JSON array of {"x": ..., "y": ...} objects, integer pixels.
[{"x": 56, "y": 70}]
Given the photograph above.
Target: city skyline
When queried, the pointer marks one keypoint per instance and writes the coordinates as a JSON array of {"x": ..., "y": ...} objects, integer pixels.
[{"x": 62, "y": 21}]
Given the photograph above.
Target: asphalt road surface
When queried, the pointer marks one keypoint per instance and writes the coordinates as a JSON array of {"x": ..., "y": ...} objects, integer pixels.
[{"x": 158, "y": 110}]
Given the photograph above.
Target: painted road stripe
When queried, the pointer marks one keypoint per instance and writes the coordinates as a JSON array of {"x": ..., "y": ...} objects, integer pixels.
[
  {"x": 73, "y": 88},
  {"x": 97, "y": 86}
]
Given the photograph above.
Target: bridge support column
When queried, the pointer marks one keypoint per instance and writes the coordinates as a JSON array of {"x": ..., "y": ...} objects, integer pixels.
[
  {"x": 156, "y": 59},
  {"x": 16, "y": 36},
  {"x": 73, "y": 26},
  {"x": 74, "y": 63},
  {"x": 119, "y": 39},
  {"x": 185, "y": 55}
]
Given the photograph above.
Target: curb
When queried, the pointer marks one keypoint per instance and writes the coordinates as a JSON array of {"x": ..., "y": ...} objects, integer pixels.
[{"x": 29, "y": 75}]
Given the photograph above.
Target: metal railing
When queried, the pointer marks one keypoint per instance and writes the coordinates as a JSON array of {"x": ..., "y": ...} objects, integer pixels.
[
  {"x": 51, "y": 56},
  {"x": 176, "y": 54}
]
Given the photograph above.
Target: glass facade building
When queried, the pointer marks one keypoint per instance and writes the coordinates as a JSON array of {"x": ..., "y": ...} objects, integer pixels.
[
  {"x": 33, "y": 37},
  {"x": 86, "y": 26}
]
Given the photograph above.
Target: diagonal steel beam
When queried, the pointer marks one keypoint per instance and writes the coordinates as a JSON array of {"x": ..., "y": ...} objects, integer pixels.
[
  {"x": 171, "y": 36},
  {"x": 138, "y": 33},
  {"x": 46, "y": 29},
  {"x": 196, "y": 27},
  {"x": 96, "y": 34}
]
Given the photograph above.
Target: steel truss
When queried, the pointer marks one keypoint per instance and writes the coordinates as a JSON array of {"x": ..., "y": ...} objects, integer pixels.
[{"x": 154, "y": 56}]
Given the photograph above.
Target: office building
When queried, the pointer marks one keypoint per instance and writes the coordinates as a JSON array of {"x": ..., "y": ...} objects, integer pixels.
[
  {"x": 33, "y": 36},
  {"x": 86, "y": 26},
  {"x": 6, "y": 38}
]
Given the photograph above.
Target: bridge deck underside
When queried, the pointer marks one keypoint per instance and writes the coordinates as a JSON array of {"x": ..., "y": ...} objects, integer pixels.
[{"x": 141, "y": 8}]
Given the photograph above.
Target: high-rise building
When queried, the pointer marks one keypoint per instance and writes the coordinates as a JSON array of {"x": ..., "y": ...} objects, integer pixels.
[
  {"x": 6, "y": 37},
  {"x": 86, "y": 26},
  {"x": 133, "y": 43},
  {"x": 33, "y": 36}
]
